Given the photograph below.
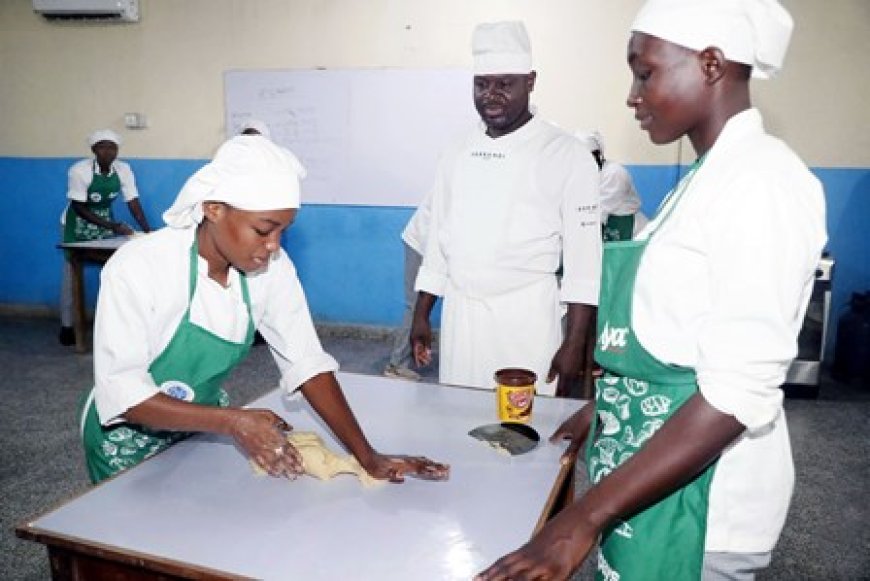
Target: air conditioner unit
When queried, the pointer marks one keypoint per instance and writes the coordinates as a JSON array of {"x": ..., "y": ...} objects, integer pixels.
[{"x": 104, "y": 10}]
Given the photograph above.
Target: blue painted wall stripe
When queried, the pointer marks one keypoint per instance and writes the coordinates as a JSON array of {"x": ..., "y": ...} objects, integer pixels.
[{"x": 349, "y": 257}]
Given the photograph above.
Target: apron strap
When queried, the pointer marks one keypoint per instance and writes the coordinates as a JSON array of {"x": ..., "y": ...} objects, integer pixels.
[
  {"x": 666, "y": 208},
  {"x": 194, "y": 270},
  {"x": 249, "y": 336}
]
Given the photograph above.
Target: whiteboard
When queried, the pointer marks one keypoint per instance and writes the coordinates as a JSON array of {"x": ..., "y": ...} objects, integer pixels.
[{"x": 366, "y": 136}]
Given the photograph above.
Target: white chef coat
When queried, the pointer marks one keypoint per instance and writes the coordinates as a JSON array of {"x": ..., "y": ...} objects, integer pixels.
[
  {"x": 506, "y": 212},
  {"x": 81, "y": 174},
  {"x": 144, "y": 294},
  {"x": 723, "y": 287},
  {"x": 618, "y": 196},
  {"x": 417, "y": 229}
]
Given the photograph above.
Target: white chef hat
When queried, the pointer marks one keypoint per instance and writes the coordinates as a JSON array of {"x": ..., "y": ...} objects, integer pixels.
[
  {"x": 248, "y": 172},
  {"x": 591, "y": 139},
  {"x": 752, "y": 32},
  {"x": 257, "y": 125},
  {"x": 501, "y": 48},
  {"x": 103, "y": 135}
]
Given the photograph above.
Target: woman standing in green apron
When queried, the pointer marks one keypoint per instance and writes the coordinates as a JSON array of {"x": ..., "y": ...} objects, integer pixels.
[
  {"x": 619, "y": 203},
  {"x": 177, "y": 312},
  {"x": 94, "y": 184},
  {"x": 687, "y": 448}
]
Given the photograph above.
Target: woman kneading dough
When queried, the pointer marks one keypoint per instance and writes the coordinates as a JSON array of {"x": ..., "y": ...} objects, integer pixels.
[{"x": 177, "y": 312}]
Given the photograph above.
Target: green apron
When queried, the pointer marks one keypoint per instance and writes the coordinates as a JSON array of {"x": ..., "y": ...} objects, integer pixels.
[
  {"x": 192, "y": 367},
  {"x": 618, "y": 228},
  {"x": 633, "y": 399},
  {"x": 101, "y": 193}
]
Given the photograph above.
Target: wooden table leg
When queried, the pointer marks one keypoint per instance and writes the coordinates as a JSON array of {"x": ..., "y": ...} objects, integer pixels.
[
  {"x": 78, "y": 301},
  {"x": 561, "y": 494}
]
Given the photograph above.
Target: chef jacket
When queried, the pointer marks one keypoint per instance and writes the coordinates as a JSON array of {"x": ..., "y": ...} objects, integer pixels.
[
  {"x": 723, "y": 287},
  {"x": 618, "y": 196},
  {"x": 144, "y": 294},
  {"x": 506, "y": 214},
  {"x": 415, "y": 232},
  {"x": 508, "y": 210}
]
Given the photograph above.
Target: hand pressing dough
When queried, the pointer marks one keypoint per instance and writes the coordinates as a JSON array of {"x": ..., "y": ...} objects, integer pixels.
[{"x": 322, "y": 463}]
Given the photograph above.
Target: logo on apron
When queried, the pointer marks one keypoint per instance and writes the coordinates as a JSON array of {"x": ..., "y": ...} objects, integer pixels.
[
  {"x": 614, "y": 339},
  {"x": 177, "y": 389}
]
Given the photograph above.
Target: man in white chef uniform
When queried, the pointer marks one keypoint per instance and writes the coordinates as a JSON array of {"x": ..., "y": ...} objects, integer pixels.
[{"x": 513, "y": 201}]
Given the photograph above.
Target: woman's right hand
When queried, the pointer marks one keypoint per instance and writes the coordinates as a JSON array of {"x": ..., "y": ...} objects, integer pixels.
[
  {"x": 262, "y": 435},
  {"x": 421, "y": 342}
]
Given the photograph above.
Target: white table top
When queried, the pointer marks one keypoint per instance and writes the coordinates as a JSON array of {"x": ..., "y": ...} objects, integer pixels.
[
  {"x": 112, "y": 243},
  {"x": 200, "y": 503}
]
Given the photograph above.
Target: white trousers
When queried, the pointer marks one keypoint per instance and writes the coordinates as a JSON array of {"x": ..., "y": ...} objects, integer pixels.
[
  {"x": 521, "y": 328},
  {"x": 719, "y": 566}
]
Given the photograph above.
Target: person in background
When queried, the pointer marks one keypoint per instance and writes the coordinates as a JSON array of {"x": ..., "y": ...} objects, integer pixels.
[
  {"x": 621, "y": 218},
  {"x": 93, "y": 184},
  {"x": 177, "y": 311},
  {"x": 513, "y": 200},
  {"x": 253, "y": 126},
  {"x": 687, "y": 448},
  {"x": 413, "y": 241}
]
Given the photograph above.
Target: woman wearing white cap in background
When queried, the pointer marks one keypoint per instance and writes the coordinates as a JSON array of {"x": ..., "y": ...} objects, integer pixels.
[
  {"x": 688, "y": 450},
  {"x": 177, "y": 312},
  {"x": 619, "y": 203},
  {"x": 252, "y": 126},
  {"x": 94, "y": 184}
]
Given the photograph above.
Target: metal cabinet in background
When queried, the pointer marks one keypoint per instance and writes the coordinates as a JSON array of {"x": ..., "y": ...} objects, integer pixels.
[{"x": 804, "y": 374}]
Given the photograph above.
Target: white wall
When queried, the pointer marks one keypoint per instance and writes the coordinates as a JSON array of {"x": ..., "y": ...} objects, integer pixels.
[{"x": 61, "y": 81}]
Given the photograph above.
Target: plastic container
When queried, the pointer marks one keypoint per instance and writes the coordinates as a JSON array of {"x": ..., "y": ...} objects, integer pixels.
[{"x": 515, "y": 394}]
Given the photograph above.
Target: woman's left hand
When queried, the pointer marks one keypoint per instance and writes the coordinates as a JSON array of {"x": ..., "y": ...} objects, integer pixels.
[{"x": 395, "y": 468}]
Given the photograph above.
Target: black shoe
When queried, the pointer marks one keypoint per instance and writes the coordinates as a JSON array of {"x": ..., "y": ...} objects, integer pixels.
[{"x": 67, "y": 336}]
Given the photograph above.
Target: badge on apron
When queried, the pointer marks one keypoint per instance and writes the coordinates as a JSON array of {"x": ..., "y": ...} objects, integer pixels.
[{"x": 177, "y": 389}]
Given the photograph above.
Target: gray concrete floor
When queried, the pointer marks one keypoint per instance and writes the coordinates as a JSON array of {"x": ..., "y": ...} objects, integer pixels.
[{"x": 41, "y": 464}]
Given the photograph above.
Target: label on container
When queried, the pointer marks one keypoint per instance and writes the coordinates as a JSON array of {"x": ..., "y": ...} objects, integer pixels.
[{"x": 515, "y": 402}]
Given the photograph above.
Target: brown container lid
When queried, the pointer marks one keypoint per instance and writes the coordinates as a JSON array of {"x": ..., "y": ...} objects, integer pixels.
[{"x": 515, "y": 377}]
